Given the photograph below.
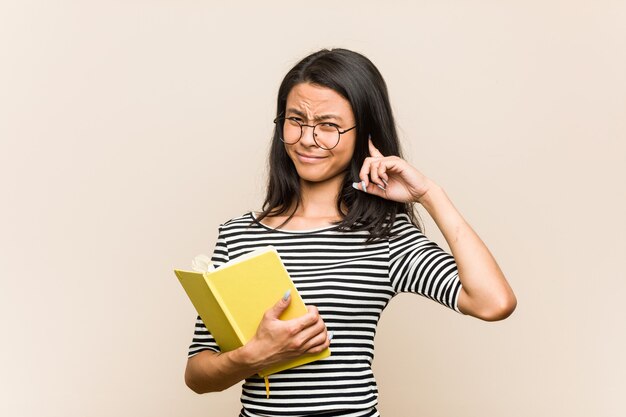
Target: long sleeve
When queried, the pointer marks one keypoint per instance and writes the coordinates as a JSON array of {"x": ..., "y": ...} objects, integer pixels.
[
  {"x": 420, "y": 266},
  {"x": 202, "y": 338}
]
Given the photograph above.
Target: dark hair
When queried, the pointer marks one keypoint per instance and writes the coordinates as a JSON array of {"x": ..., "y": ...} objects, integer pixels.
[{"x": 355, "y": 78}]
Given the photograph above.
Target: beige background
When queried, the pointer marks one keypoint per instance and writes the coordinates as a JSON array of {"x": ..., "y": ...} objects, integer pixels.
[{"x": 130, "y": 129}]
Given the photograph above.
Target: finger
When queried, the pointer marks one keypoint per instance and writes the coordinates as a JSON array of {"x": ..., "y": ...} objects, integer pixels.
[
  {"x": 372, "y": 188},
  {"x": 373, "y": 151},
  {"x": 382, "y": 174},
  {"x": 313, "y": 336},
  {"x": 299, "y": 324},
  {"x": 318, "y": 348},
  {"x": 306, "y": 338},
  {"x": 374, "y": 167},
  {"x": 313, "y": 330},
  {"x": 318, "y": 343},
  {"x": 364, "y": 173},
  {"x": 280, "y": 306},
  {"x": 368, "y": 174},
  {"x": 390, "y": 164},
  {"x": 312, "y": 309},
  {"x": 370, "y": 181}
]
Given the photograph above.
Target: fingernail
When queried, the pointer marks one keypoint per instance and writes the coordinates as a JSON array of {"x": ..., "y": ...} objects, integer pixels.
[
  {"x": 381, "y": 187},
  {"x": 359, "y": 186},
  {"x": 287, "y": 294},
  {"x": 330, "y": 335},
  {"x": 369, "y": 137},
  {"x": 384, "y": 181}
]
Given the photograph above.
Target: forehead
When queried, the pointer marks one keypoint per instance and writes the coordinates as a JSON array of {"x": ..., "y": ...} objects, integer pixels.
[{"x": 315, "y": 100}]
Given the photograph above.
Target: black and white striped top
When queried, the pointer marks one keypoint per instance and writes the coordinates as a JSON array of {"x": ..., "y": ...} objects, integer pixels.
[{"x": 350, "y": 283}]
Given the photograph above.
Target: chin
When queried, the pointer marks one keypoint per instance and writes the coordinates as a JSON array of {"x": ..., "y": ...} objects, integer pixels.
[{"x": 311, "y": 175}]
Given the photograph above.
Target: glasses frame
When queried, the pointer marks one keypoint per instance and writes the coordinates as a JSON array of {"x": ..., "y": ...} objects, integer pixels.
[{"x": 302, "y": 125}]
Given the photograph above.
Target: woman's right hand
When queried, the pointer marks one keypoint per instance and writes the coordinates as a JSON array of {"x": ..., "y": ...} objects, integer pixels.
[
  {"x": 275, "y": 341},
  {"x": 278, "y": 340}
]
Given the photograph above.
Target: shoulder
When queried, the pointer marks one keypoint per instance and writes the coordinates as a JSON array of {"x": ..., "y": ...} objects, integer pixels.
[
  {"x": 403, "y": 225},
  {"x": 407, "y": 237},
  {"x": 247, "y": 216},
  {"x": 238, "y": 223}
]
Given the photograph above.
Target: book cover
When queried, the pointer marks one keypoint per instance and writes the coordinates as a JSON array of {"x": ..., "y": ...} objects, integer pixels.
[{"x": 232, "y": 299}]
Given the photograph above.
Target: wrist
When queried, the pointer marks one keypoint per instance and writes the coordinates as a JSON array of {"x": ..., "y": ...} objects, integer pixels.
[
  {"x": 442, "y": 210},
  {"x": 246, "y": 357},
  {"x": 433, "y": 191}
]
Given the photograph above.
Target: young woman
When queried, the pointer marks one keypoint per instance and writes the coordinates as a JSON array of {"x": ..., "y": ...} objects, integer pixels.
[{"x": 339, "y": 210}]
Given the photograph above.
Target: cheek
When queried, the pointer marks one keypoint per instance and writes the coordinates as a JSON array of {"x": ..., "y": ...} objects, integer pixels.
[
  {"x": 288, "y": 151},
  {"x": 347, "y": 153},
  {"x": 345, "y": 158}
]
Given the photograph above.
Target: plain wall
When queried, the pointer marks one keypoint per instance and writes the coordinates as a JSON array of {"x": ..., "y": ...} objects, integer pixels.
[{"x": 129, "y": 130}]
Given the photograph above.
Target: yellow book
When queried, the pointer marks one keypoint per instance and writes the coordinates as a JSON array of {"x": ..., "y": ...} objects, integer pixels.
[{"x": 232, "y": 299}]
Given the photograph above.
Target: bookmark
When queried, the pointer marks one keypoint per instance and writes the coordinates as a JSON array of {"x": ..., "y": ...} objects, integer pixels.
[
  {"x": 202, "y": 263},
  {"x": 267, "y": 386}
]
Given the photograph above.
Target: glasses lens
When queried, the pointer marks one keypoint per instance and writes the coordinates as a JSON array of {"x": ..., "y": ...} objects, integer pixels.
[
  {"x": 326, "y": 135},
  {"x": 291, "y": 130}
]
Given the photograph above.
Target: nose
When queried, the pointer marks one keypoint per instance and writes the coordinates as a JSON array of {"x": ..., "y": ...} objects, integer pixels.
[{"x": 307, "y": 136}]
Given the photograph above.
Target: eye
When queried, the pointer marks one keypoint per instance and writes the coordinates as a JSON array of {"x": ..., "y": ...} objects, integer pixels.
[
  {"x": 329, "y": 125},
  {"x": 295, "y": 119}
]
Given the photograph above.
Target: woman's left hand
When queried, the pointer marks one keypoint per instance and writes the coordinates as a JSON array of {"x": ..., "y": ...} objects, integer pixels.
[{"x": 392, "y": 178}]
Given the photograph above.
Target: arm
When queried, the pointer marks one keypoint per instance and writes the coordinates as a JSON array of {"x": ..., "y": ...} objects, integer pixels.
[
  {"x": 275, "y": 341},
  {"x": 485, "y": 293},
  {"x": 210, "y": 371}
]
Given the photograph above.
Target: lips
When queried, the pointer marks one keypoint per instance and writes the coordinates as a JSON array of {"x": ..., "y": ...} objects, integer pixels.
[{"x": 309, "y": 158}]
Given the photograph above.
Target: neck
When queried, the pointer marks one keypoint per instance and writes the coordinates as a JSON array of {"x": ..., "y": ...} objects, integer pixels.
[{"x": 319, "y": 199}]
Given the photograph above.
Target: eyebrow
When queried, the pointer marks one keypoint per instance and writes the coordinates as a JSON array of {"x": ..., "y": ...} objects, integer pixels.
[{"x": 316, "y": 118}]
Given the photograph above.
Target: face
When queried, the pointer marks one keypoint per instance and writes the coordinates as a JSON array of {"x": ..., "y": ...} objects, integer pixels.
[{"x": 311, "y": 104}]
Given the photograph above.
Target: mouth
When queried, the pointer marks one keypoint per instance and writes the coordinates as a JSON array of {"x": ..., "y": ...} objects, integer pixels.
[{"x": 309, "y": 158}]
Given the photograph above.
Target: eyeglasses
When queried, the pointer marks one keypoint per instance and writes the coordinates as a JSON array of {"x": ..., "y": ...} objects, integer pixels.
[{"x": 326, "y": 135}]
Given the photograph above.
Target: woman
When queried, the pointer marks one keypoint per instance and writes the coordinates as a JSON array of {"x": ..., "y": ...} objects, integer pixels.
[{"x": 339, "y": 210}]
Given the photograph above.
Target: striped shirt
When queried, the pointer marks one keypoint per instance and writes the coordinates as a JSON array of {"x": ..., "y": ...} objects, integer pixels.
[{"x": 350, "y": 283}]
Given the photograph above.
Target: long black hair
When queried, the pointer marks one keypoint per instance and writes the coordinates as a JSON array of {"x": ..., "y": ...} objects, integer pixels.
[{"x": 354, "y": 77}]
